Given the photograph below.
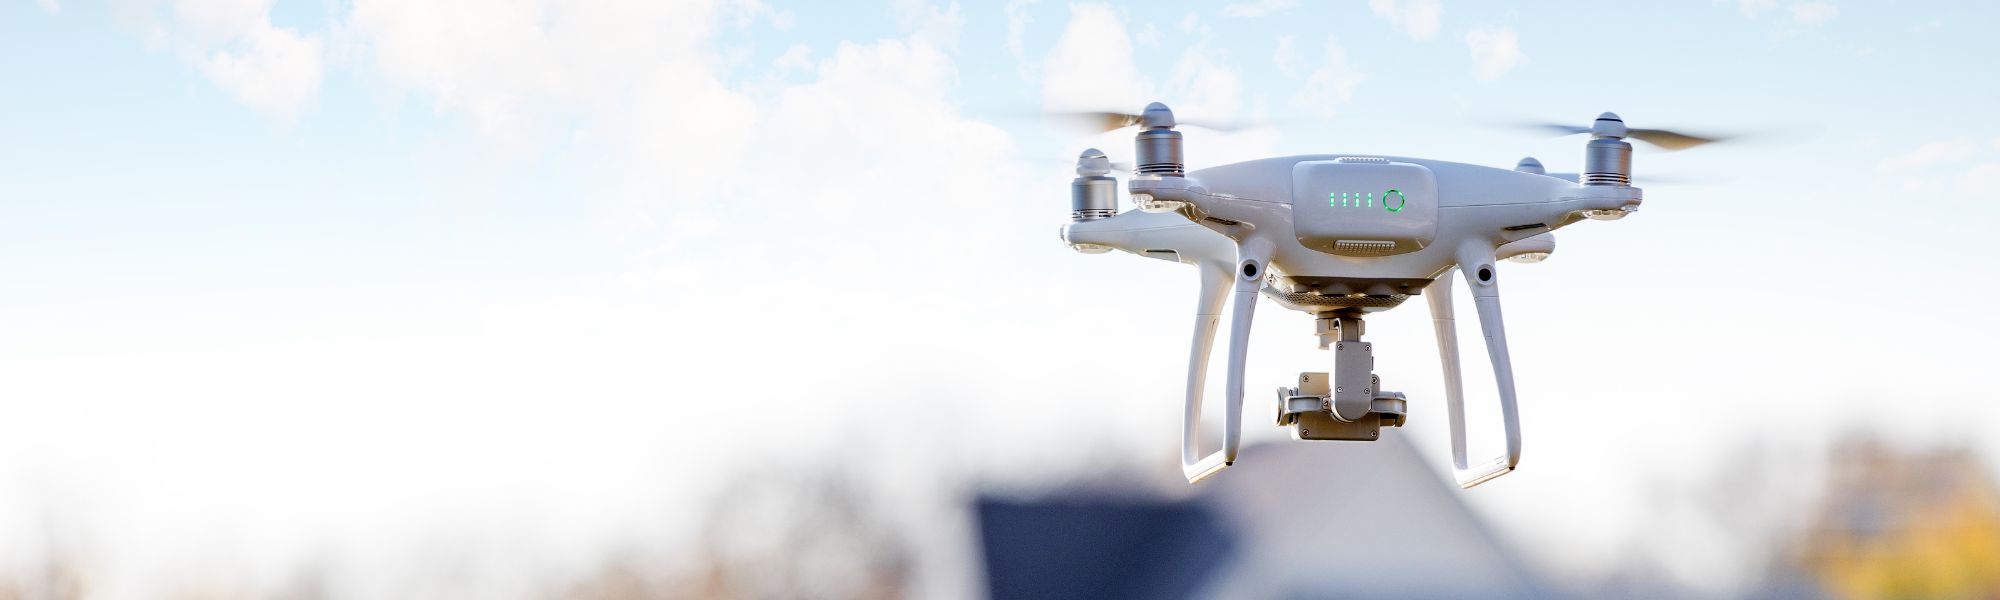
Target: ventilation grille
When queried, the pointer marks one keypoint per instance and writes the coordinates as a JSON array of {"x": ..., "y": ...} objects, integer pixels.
[
  {"x": 1606, "y": 179},
  {"x": 1347, "y": 301},
  {"x": 1364, "y": 247},
  {"x": 1092, "y": 214}
]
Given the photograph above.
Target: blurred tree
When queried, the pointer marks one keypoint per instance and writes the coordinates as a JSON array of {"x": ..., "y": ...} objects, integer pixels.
[
  {"x": 776, "y": 533},
  {"x": 1918, "y": 525}
]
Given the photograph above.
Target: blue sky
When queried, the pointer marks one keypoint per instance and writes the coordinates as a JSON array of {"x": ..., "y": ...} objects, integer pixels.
[{"x": 379, "y": 241}]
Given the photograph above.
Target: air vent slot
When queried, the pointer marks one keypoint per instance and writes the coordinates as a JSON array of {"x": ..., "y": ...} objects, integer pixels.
[{"x": 1364, "y": 247}]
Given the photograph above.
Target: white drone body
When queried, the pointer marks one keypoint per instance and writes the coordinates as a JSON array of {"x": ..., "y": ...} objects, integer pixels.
[{"x": 1340, "y": 236}]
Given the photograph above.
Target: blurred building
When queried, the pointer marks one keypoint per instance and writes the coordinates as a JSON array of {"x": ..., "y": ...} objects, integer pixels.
[
  {"x": 1295, "y": 520},
  {"x": 1910, "y": 524}
]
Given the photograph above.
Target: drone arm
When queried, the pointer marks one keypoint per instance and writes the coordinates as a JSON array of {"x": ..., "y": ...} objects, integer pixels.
[{"x": 1476, "y": 263}]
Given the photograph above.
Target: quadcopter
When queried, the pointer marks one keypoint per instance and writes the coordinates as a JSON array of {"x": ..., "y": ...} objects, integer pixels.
[{"x": 1341, "y": 236}]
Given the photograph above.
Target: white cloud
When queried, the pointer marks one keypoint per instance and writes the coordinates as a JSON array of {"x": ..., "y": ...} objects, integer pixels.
[
  {"x": 1495, "y": 50},
  {"x": 1813, "y": 13},
  {"x": 891, "y": 98},
  {"x": 1204, "y": 86},
  {"x": 1017, "y": 24},
  {"x": 796, "y": 58},
  {"x": 638, "y": 86},
  {"x": 822, "y": 223},
  {"x": 928, "y": 23},
  {"x": 1981, "y": 182},
  {"x": 1934, "y": 166},
  {"x": 1201, "y": 84},
  {"x": 273, "y": 70},
  {"x": 1417, "y": 18},
  {"x": 278, "y": 71},
  {"x": 1189, "y": 22},
  {"x": 522, "y": 74},
  {"x": 1330, "y": 86},
  {"x": 1286, "y": 57},
  {"x": 49, "y": 6},
  {"x": 1148, "y": 36},
  {"x": 1933, "y": 154},
  {"x": 748, "y": 11},
  {"x": 1804, "y": 14},
  {"x": 1754, "y": 8},
  {"x": 1091, "y": 66},
  {"x": 1258, "y": 8}
]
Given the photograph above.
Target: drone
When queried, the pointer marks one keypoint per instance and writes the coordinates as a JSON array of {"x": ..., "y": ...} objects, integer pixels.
[{"x": 1341, "y": 236}]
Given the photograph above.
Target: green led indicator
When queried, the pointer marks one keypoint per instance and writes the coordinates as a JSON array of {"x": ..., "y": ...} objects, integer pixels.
[{"x": 1366, "y": 200}]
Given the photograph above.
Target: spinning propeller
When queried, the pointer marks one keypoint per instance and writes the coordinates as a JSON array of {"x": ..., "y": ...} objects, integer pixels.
[
  {"x": 1102, "y": 121},
  {"x": 1609, "y": 125}
]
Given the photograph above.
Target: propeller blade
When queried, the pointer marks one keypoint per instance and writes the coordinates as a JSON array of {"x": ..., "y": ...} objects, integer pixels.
[
  {"x": 1102, "y": 121},
  {"x": 1098, "y": 121},
  {"x": 1116, "y": 166},
  {"x": 1559, "y": 129},
  {"x": 1214, "y": 125},
  {"x": 1637, "y": 179},
  {"x": 1662, "y": 138},
  {"x": 1671, "y": 140}
]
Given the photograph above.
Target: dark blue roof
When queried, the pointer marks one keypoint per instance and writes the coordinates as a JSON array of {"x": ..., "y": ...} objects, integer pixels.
[{"x": 1105, "y": 549}]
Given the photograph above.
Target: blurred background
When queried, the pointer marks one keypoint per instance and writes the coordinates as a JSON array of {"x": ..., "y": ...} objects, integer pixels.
[{"x": 737, "y": 299}]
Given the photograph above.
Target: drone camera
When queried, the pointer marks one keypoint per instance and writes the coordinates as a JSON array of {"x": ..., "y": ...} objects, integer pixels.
[
  {"x": 1313, "y": 410},
  {"x": 1347, "y": 404}
]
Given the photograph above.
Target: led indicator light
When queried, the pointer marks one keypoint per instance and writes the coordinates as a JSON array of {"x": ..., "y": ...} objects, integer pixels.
[{"x": 1366, "y": 200}]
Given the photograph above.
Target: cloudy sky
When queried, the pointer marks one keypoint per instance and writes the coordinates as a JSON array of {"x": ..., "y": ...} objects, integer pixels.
[{"x": 285, "y": 278}]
